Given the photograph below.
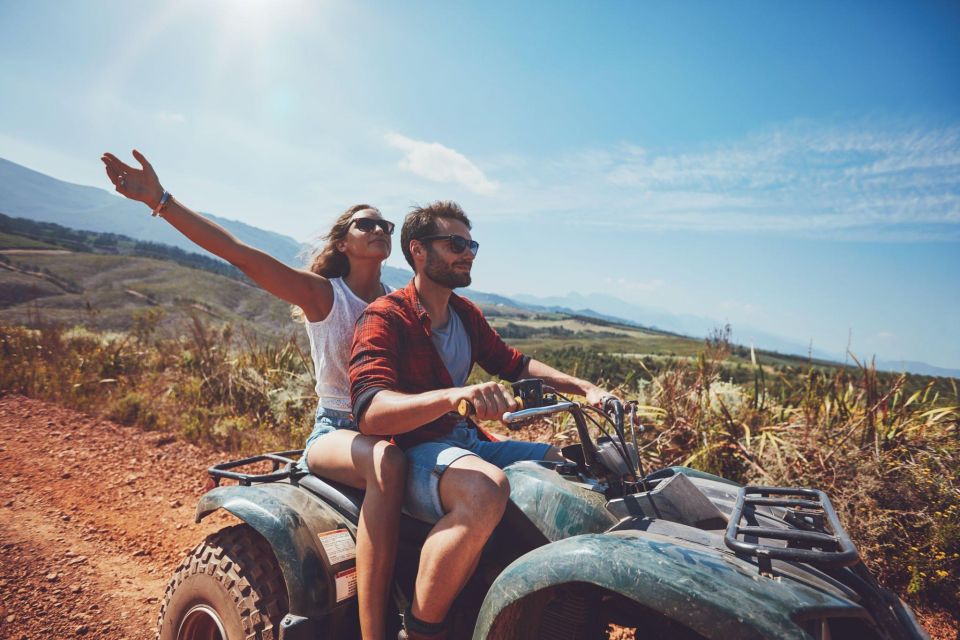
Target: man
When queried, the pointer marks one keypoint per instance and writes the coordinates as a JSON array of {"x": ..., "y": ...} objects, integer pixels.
[{"x": 412, "y": 354}]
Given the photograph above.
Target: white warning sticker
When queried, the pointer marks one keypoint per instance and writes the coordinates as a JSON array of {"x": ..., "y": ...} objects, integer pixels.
[
  {"x": 346, "y": 584},
  {"x": 338, "y": 545}
]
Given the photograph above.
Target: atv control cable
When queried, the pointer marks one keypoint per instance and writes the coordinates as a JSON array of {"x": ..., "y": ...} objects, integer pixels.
[
  {"x": 636, "y": 447},
  {"x": 621, "y": 451}
]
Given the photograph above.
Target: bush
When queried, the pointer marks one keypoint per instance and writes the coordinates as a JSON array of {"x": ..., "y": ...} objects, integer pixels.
[{"x": 133, "y": 408}]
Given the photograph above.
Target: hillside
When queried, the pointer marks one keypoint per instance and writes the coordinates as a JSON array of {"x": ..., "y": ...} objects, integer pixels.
[
  {"x": 43, "y": 260},
  {"x": 53, "y": 273},
  {"x": 100, "y": 291}
]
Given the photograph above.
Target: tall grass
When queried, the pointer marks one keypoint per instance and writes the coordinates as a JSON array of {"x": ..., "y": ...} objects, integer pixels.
[
  {"x": 209, "y": 384},
  {"x": 889, "y": 458}
]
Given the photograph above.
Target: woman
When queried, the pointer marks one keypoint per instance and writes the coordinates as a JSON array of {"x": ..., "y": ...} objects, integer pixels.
[{"x": 343, "y": 278}]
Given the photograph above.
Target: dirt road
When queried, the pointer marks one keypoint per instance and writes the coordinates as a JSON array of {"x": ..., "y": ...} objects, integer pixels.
[{"x": 94, "y": 519}]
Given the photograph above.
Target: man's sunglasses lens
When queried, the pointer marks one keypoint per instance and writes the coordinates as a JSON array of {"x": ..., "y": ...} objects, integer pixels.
[
  {"x": 369, "y": 224},
  {"x": 458, "y": 244}
]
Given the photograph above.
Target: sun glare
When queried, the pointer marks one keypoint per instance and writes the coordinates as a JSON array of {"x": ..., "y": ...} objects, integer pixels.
[{"x": 258, "y": 19}]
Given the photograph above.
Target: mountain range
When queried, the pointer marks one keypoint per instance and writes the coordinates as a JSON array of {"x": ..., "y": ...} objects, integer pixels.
[{"x": 30, "y": 194}]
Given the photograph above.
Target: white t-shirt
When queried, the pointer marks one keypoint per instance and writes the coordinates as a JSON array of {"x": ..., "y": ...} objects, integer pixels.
[{"x": 330, "y": 341}]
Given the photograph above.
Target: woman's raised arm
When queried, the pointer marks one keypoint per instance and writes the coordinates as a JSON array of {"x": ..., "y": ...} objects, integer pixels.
[{"x": 309, "y": 291}]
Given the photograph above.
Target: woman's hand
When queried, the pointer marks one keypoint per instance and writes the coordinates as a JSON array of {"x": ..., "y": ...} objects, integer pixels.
[{"x": 137, "y": 184}]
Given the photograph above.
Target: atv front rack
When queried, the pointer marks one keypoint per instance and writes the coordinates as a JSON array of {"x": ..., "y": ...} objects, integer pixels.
[
  {"x": 220, "y": 471},
  {"x": 817, "y": 537}
]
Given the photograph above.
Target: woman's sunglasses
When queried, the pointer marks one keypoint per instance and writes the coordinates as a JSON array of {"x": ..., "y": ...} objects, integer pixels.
[
  {"x": 458, "y": 244},
  {"x": 369, "y": 224}
]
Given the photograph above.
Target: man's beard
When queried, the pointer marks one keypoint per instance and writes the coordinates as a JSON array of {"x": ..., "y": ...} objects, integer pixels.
[{"x": 444, "y": 274}]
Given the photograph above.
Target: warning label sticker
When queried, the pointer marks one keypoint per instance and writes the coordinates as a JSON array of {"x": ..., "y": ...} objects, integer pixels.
[
  {"x": 338, "y": 545},
  {"x": 346, "y": 584}
]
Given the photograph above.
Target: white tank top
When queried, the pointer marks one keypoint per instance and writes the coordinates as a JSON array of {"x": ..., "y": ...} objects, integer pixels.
[{"x": 330, "y": 341}]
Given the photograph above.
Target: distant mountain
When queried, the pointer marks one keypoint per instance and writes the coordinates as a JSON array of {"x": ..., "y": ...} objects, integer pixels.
[
  {"x": 607, "y": 306},
  {"x": 26, "y": 193},
  {"x": 399, "y": 278},
  {"x": 920, "y": 368}
]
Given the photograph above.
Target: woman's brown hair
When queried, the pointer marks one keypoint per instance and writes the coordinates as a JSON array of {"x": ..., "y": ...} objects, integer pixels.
[{"x": 328, "y": 261}]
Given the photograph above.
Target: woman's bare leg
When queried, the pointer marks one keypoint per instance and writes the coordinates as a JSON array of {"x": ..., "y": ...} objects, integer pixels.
[{"x": 380, "y": 468}]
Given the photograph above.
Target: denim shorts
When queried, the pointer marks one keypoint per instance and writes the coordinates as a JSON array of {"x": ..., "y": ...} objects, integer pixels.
[
  {"x": 427, "y": 461},
  {"x": 327, "y": 421}
]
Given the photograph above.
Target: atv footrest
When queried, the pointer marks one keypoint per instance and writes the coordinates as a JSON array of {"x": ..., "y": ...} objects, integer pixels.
[{"x": 814, "y": 534}]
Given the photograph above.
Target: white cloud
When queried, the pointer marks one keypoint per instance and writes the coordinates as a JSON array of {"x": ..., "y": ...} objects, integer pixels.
[
  {"x": 438, "y": 163},
  {"x": 859, "y": 180}
]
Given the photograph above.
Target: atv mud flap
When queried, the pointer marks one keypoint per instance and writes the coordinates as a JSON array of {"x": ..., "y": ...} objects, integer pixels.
[
  {"x": 714, "y": 594},
  {"x": 292, "y": 523}
]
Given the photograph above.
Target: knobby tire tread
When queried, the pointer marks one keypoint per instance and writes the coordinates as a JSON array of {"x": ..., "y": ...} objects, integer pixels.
[{"x": 242, "y": 561}]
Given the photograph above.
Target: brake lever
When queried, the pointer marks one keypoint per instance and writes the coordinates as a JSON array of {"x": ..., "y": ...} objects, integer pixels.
[{"x": 513, "y": 417}]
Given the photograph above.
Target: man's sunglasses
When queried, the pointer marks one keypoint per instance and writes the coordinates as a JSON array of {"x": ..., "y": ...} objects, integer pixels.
[
  {"x": 369, "y": 224},
  {"x": 458, "y": 244}
]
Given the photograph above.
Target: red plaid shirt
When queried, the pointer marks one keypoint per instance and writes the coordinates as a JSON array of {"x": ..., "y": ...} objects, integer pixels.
[{"x": 392, "y": 350}]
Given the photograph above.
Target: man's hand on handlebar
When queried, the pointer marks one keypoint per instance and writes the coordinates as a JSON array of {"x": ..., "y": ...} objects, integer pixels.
[
  {"x": 489, "y": 400},
  {"x": 596, "y": 396}
]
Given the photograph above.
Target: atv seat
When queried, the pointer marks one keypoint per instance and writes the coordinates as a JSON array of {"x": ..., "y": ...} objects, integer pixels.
[{"x": 347, "y": 501}]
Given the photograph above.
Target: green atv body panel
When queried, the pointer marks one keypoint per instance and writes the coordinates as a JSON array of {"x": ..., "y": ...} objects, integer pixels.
[
  {"x": 558, "y": 507},
  {"x": 291, "y": 521},
  {"x": 680, "y": 572},
  {"x": 715, "y": 594}
]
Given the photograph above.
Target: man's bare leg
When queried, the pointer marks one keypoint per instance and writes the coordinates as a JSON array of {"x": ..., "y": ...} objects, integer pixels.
[
  {"x": 474, "y": 494},
  {"x": 380, "y": 468}
]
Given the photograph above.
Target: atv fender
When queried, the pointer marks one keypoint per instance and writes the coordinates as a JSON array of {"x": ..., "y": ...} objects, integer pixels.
[
  {"x": 290, "y": 522},
  {"x": 715, "y": 595}
]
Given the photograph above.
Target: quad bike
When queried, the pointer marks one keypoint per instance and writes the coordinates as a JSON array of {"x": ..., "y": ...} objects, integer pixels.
[{"x": 583, "y": 544}]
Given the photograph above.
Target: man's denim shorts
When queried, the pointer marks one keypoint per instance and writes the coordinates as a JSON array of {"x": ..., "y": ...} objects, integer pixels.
[
  {"x": 427, "y": 461},
  {"x": 327, "y": 421}
]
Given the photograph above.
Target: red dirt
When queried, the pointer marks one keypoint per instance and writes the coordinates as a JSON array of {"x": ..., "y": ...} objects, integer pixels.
[{"x": 95, "y": 517}]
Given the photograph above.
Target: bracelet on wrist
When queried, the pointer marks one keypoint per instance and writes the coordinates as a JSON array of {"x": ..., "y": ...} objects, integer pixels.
[{"x": 164, "y": 199}]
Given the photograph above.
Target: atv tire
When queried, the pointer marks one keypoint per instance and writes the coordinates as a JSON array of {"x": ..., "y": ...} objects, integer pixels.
[{"x": 228, "y": 588}]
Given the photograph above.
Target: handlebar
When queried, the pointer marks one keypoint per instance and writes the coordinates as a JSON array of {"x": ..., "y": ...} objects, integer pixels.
[
  {"x": 607, "y": 459},
  {"x": 528, "y": 393},
  {"x": 512, "y": 417}
]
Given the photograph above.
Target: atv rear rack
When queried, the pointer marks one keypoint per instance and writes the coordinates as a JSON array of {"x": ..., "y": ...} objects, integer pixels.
[
  {"x": 220, "y": 471},
  {"x": 818, "y": 539}
]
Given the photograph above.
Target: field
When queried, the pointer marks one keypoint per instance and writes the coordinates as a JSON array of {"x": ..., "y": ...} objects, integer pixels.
[{"x": 105, "y": 292}]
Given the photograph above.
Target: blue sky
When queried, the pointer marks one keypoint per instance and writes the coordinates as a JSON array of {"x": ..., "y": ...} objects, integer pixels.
[{"x": 788, "y": 166}]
